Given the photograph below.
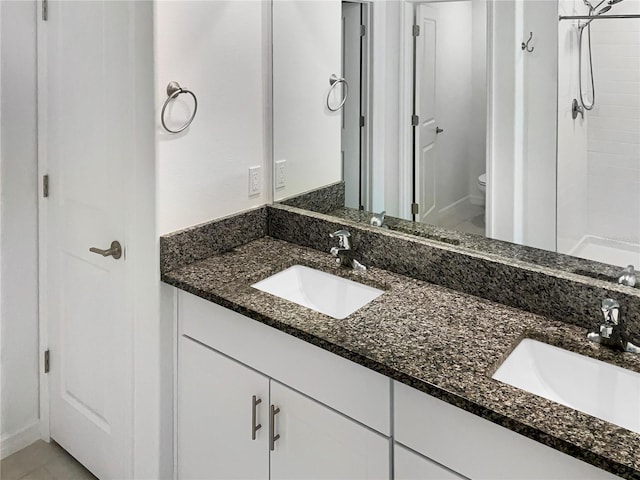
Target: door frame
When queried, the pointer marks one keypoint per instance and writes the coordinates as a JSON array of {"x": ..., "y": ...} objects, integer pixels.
[
  {"x": 406, "y": 150},
  {"x": 150, "y": 340},
  {"x": 43, "y": 220},
  {"x": 366, "y": 104}
]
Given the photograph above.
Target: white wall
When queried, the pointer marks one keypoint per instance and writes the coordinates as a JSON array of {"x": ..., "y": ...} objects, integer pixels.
[
  {"x": 540, "y": 124},
  {"x": 477, "y": 142},
  {"x": 613, "y": 199},
  {"x": 521, "y": 177},
  {"x": 217, "y": 50},
  {"x": 18, "y": 227},
  {"x": 307, "y": 49},
  {"x": 572, "y": 136}
]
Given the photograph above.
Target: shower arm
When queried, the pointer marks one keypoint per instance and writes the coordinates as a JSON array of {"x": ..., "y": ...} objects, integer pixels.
[{"x": 597, "y": 17}]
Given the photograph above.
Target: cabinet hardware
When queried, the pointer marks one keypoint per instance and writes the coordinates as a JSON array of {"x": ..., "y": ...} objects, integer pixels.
[
  {"x": 47, "y": 364},
  {"x": 255, "y": 401},
  {"x": 45, "y": 186},
  {"x": 272, "y": 427}
]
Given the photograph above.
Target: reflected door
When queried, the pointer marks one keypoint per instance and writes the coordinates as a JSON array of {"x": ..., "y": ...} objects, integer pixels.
[
  {"x": 351, "y": 61},
  {"x": 425, "y": 154}
]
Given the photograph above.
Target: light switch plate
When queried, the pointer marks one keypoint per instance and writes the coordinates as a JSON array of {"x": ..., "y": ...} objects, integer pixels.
[
  {"x": 281, "y": 174},
  {"x": 254, "y": 181}
]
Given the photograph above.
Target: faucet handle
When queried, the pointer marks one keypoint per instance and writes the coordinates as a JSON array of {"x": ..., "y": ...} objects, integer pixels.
[
  {"x": 610, "y": 310},
  {"x": 628, "y": 276},
  {"x": 343, "y": 238},
  {"x": 377, "y": 220}
]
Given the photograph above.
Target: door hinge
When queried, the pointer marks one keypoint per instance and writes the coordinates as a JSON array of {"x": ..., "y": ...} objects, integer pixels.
[
  {"x": 45, "y": 10},
  {"x": 361, "y": 121},
  {"x": 45, "y": 186},
  {"x": 363, "y": 30},
  {"x": 415, "y": 120},
  {"x": 46, "y": 361},
  {"x": 416, "y": 30},
  {"x": 414, "y": 209}
]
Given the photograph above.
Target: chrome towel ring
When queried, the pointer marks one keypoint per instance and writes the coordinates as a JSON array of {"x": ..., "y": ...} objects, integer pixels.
[
  {"x": 173, "y": 91},
  {"x": 334, "y": 81}
]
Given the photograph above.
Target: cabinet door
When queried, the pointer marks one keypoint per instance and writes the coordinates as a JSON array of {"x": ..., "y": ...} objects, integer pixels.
[
  {"x": 408, "y": 465},
  {"x": 215, "y": 416},
  {"x": 318, "y": 443}
]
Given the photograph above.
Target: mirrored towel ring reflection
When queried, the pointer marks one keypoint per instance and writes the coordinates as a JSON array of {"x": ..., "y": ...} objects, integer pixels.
[{"x": 334, "y": 81}]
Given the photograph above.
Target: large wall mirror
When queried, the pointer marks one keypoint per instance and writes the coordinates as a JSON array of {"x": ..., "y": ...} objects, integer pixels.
[{"x": 480, "y": 120}]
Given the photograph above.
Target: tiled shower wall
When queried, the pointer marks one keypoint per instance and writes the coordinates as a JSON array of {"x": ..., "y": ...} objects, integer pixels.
[{"x": 613, "y": 195}]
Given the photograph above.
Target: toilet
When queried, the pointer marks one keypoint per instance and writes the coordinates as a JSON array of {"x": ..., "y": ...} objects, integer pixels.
[
  {"x": 482, "y": 182},
  {"x": 482, "y": 186}
]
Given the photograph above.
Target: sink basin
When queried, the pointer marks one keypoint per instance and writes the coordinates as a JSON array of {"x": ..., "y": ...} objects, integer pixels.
[
  {"x": 319, "y": 291},
  {"x": 605, "y": 391}
]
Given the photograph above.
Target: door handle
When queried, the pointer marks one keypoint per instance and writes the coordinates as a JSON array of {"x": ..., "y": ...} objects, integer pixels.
[
  {"x": 439, "y": 130},
  {"x": 272, "y": 427},
  {"x": 255, "y": 401},
  {"x": 115, "y": 251}
]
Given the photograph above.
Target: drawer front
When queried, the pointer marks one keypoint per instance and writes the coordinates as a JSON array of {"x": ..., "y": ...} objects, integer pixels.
[
  {"x": 475, "y": 447},
  {"x": 409, "y": 465},
  {"x": 352, "y": 389}
]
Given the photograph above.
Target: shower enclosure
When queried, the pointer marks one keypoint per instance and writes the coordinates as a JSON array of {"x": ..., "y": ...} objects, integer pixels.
[{"x": 598, "y": 214}]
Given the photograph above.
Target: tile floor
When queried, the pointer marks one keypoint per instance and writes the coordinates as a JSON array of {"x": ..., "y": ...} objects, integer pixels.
[
  {"x": 466, "y": 217},
  {"x": 43, "y": 461}
]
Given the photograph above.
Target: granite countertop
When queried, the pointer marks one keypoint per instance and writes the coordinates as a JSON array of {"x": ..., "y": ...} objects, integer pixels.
[{"x": 445, "y": 343}]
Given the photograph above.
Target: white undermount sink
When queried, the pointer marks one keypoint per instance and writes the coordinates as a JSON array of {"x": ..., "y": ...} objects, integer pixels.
[
  {"x": 605, "y": 391},
  {"x": 319, "y": 291}
]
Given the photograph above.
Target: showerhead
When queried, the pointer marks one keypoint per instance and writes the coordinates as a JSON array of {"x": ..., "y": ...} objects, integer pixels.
[
  {"x": 613, "y": 2},
  {"x": 605, "y": 9}
]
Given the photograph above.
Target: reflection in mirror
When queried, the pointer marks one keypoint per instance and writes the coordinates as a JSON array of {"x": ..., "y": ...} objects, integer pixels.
[{"x": 456, "y": 131}]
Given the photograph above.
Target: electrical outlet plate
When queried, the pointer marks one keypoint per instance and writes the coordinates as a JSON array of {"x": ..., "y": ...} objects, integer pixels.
[
  {"x": 281, "y": 173},
  {"x": 254, "y": 181}
]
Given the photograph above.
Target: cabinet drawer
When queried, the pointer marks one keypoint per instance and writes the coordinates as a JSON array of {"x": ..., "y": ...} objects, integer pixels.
[
  {"x": 352, "y": 389},
  {"x": 408, "y": 465},
  {"x": 475, "y": 447}
]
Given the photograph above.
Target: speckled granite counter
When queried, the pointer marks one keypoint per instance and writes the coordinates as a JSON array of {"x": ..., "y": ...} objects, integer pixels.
[{"x": 437, "y": 340}]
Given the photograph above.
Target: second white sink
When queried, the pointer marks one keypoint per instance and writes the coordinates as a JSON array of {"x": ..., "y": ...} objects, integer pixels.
[
  {"x": 319, "y": 291},
  {"x": 600, "y": 389}
]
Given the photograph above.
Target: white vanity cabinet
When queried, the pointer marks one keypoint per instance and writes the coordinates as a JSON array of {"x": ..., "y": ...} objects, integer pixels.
[
  {"x": 215, "y": 409},
  {"x": 215, "y": 412},
  {"x": 318, "y": 443},
  {"x": 477, "y": 448},
  {"x": 334, "y": 416}
]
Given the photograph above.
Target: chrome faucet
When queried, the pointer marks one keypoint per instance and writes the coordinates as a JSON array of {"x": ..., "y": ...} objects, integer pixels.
[
  {"x": 343, "y": 253},
  {"x": 377, "y": 220},
  {"x": 628, "y": 277},
  {"x": 612, "y": 330}
]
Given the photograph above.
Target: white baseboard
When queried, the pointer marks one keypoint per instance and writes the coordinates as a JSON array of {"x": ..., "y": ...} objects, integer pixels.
[
  {"x": 476, "y": 199},
  {"x": 453, "y": 206},
  {"x": 17, "y": 441}
]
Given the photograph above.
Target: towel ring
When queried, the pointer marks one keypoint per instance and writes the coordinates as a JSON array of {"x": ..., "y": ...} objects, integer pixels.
[
  {"x": 334, "y": 81},
  {"x": 173, "y": 91}
]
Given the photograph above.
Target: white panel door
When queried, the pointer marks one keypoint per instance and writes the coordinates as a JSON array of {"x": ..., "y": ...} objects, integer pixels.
[
  {"x": 88, "y": 146},
  {"x": 409, "y": 465},
  {"x": 215, "y": 416},
  {"x": 425, "y": 155},
  {"x": 318, "y": 443}
]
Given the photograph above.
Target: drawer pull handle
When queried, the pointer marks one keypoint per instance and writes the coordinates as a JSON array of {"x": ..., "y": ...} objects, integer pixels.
[
  {"x": 272, "y": 428},
  {"x": 255, "y": 401}
]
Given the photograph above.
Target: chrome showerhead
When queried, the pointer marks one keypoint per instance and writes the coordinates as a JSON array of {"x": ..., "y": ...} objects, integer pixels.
[
  {"x": 604, "y": 9},
  {"x": 613, "y": 2}
]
